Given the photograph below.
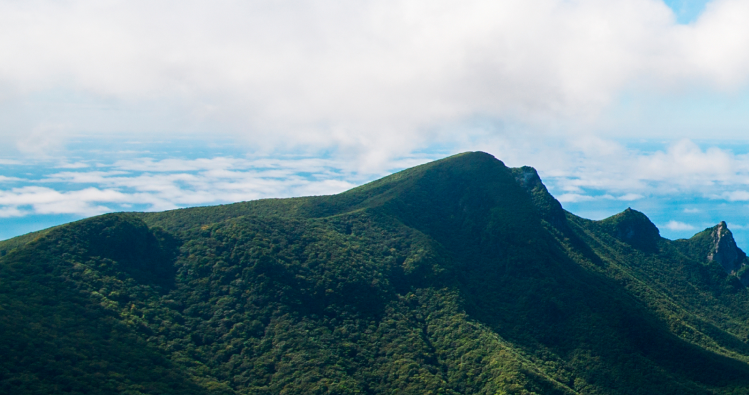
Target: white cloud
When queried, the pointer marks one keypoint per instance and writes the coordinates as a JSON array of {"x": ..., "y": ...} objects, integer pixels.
[
  {"x": 7, "y": 212},
  {"x": 692, "y": 210},
  {"x": 735, "y": 196},
  {"x": 49, "y": 201},
  {"x": 41, "y": 140},
  {"x": 375, "y": 79},
  {"x": 578, "y": 171},
  {"x": 173, "y": 183},
  {"x": 7, "y": 179},
  {"x": 630, "y": 197},
  {"x": 737, "y": 226},
  {"x": 682, "y": 167},
  {"x": 171, "y": 165},
  {"x": 676, "y": 225},
  {"x": 594, "y": 171},
  {"x": 685, "y": 159},
  {"x": 76, "y": 165},
  {"x": 574, "y": 198}
]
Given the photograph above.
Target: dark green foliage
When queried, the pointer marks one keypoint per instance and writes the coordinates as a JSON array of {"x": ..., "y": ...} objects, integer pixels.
[
  {"x": 461, "y": 276},
  {"x": 57, "y": 334},
  {"x": 633, "y": 228},
  {"x": 699, "y": 246},
  {"x": 548, "y": 207},
  {"x": 717, "y": 245},
  {"x": 20, "y": 241}
]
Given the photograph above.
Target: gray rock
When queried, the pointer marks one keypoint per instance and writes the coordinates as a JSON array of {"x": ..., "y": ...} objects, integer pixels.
[{"x": 725, "y": 251}]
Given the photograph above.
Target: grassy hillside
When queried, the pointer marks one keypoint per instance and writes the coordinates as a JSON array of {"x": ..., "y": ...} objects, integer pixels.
[{"x": 458, "y": 276}]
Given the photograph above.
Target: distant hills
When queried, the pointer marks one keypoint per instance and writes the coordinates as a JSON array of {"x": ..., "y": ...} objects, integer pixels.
[{"x": 460, "y": 276}]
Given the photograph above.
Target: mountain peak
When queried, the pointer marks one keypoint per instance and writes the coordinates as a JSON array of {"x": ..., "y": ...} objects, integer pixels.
[
  {"x": 723, "y": 248},
  {"x": 716, "y": 244},
  {"x": 370, "y": 291},
  {"x": 633, "y": 228}
]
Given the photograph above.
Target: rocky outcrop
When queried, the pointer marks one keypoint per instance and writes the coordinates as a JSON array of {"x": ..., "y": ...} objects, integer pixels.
[
  {"x": 717, "y": 245},
  {"x": 724, "y": 250},
  {"x": 549, "y": 208}
]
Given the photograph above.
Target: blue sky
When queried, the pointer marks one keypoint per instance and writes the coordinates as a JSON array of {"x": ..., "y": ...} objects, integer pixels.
[
  {"x": 111, "y": 106},
  {"x": 686, "y": 11}
]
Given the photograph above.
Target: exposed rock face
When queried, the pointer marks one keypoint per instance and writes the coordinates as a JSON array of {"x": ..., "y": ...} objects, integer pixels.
[
  {"x": 716, "y": 245},
  {"x": 725, "y": 251},
  {"x": 549, "y": 208}
]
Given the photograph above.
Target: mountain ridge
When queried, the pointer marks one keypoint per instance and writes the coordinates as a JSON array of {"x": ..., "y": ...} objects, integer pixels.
[{"x": 458, "y": 276}]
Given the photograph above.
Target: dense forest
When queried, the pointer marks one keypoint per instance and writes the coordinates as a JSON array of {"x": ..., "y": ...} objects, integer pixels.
[{"x": 460, "y": 276}]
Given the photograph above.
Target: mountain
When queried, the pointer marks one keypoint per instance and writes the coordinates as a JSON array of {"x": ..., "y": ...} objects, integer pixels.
[
  {"x": 460, "y": 276},
  {"x": 716, "y": 244}
]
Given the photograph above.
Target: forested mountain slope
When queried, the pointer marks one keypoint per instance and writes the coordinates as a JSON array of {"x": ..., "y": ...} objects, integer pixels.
[{"x": 458, "y": 276}]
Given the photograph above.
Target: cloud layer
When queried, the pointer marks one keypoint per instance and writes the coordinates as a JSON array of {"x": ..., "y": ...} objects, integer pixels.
[
  {"x": 581, "y": 171},
  {"x": 145, "y": 184},
  {"x": 376, "y": 79},
  {"x": 682, "y": 167}
]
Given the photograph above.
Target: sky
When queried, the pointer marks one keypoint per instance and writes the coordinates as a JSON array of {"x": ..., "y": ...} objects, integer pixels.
[{"x": 147, "y": 106}]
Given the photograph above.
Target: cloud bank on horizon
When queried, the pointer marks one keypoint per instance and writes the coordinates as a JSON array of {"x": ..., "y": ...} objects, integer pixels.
[
  {"x": 375, "y": 78},
  {"x": 359, "y": 87},
  {"x": 576, "y": 174}
]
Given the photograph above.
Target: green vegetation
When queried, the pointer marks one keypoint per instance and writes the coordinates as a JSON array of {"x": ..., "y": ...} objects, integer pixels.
[{"x": 461, "y": 276}]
